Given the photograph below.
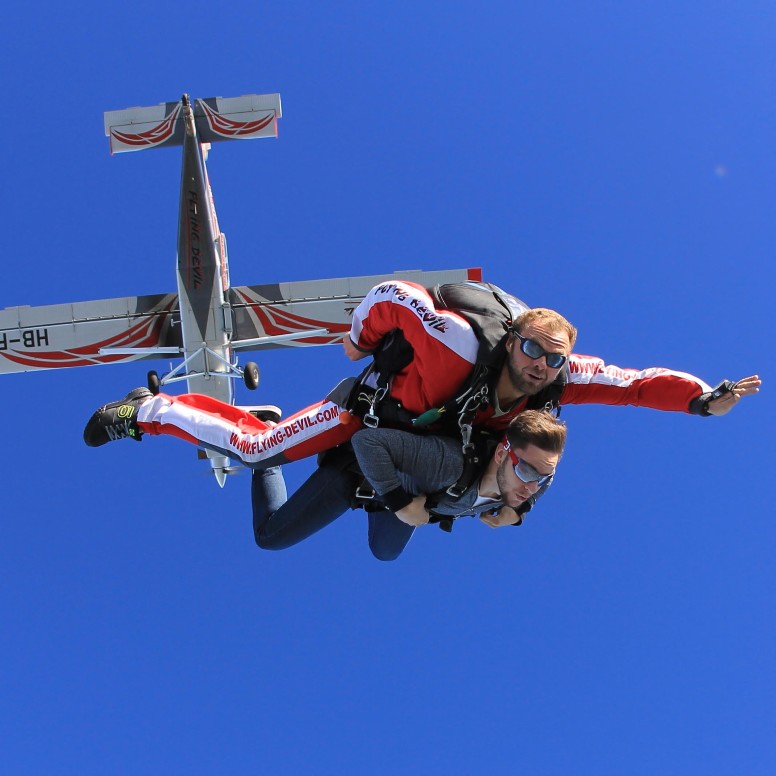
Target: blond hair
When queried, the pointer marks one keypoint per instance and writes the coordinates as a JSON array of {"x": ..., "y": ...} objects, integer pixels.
[{"x": 556, "y": 321}]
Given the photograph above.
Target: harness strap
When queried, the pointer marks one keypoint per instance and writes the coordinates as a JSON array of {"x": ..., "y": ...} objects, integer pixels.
[{"x": 471, "y": 470}]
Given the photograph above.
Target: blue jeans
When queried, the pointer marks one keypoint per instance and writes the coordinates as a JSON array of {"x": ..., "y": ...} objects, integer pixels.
[{"x": 280, "y": 522}]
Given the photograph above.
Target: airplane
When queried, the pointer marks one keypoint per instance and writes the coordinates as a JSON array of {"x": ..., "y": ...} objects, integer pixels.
[{"x": 208, "y": 321}]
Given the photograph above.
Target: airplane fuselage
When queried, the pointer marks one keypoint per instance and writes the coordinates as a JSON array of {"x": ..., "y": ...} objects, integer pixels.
[
  {"x": 203, "y": 277},
  {"x": 203, "y": 280}
]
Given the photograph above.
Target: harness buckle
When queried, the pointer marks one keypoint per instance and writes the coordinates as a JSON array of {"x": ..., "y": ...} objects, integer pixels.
[
  {"x": 456, "y": 490},
  {"x": 370, "y": 420},
  {"x": 365, "y": 492}
]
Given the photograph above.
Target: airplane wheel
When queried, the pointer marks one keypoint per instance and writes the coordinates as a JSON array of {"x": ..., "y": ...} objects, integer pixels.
[
  {"x": 251, "y": 376},
  {"x": 153, "y": 382}
]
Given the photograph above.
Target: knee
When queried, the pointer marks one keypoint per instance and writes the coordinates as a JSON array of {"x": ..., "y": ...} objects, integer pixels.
[
  {"x": 385, "y": 553},
  {"x": 258, "y": 536},
  {"x": 263, "y": 544},
  {"x": 264, "y": 539}
]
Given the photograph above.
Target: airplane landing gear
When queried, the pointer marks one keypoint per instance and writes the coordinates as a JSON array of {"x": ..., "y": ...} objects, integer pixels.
[
  {"x": 251, "y": 376},
  {"x": 153, "y": 382}
]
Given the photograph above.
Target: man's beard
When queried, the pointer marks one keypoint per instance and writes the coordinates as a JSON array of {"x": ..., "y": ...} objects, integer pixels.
[
  {"x": 503, "y": 487},
  {"x": 519, "y": 383}
]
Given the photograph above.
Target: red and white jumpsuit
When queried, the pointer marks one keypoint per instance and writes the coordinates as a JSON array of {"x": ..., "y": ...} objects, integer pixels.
[{"x": 445, "y": 351}]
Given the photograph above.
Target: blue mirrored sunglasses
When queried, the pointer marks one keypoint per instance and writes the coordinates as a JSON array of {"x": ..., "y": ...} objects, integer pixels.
[
  {"x": 525, "y": 471},
  {"x": 534, "y": 350}
]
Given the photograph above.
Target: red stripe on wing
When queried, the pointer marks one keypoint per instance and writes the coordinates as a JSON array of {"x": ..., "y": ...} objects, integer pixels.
[
  {"x": 144, "y": 334},
  {"x": 222, "y": 125},
  {"x": 154, "y": 136},
  {"x": 276, "y": 320}
]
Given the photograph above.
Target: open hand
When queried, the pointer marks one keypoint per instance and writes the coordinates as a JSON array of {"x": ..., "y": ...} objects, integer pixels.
[{"x": 744, "y": 387}]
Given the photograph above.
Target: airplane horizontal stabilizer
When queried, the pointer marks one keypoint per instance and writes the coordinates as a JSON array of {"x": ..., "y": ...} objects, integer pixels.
[{"x": 216, "y": 119}]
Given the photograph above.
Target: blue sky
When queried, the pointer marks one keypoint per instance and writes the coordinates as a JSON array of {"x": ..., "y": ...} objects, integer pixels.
[{"x": 611, "y": 160}]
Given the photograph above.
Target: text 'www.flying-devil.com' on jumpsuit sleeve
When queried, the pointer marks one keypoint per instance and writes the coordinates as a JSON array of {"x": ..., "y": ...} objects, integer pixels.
[{"x": 591, "y": 381}]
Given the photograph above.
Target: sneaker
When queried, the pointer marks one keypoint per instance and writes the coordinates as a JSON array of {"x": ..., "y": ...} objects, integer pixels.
[
  {"x": 269, "y": 413},
  {"x": 116, "y": 420}
]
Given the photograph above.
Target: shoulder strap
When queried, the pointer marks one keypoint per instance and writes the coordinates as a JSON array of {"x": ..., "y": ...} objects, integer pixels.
[{"x": 488, "y": 310}]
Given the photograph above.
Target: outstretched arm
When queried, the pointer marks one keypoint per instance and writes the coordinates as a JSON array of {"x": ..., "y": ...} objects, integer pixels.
[{"x": 591, "y": 381}]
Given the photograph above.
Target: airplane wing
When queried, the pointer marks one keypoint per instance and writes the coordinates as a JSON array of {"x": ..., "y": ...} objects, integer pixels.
[
  {"x": 87, "y": 333},
  {"x": 109, "y": 331}
]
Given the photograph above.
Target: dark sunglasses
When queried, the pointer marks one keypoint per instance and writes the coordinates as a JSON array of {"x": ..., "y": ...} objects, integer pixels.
[
  {"x": 534, "y": 350},
  {"x": 525, "y": 471}
]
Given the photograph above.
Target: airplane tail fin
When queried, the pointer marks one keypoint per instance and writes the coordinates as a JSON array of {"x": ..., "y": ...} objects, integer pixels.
[{"x": 216, "y": 118}]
